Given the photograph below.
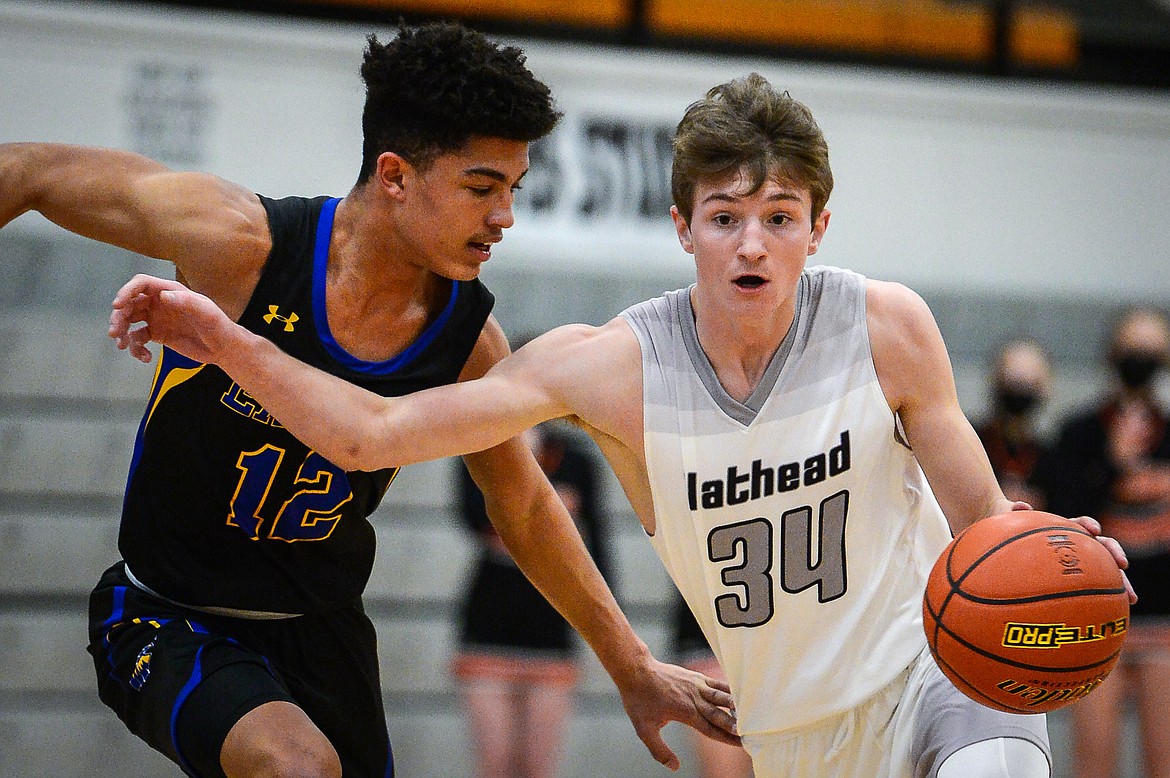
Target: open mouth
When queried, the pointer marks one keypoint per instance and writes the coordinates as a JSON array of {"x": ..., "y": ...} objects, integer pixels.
[
  {"x": 750, "y": 282},
  {"x": 484, "y": 248}
]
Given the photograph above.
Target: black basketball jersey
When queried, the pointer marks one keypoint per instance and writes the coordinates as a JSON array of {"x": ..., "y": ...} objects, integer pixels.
[{"x": 223, "y": 506}]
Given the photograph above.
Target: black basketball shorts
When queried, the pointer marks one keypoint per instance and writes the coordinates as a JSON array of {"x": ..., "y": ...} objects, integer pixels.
[{"x": 180, "y": 678}]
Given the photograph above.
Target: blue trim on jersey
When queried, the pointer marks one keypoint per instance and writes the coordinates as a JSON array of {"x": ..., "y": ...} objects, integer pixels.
[
  {"x": 389, "y": 762},
  {"x": 184, "y": 693},
  {"x": 343, "y": 357}
]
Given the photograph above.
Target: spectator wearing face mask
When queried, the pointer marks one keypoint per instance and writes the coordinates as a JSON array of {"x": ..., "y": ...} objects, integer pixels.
[
  {"x": 1113, "y": 463},
  {"x": 1021, "y": 383}
]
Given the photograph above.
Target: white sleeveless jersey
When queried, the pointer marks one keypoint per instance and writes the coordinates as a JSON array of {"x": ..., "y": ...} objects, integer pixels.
[{"x": 797, "y": 526}]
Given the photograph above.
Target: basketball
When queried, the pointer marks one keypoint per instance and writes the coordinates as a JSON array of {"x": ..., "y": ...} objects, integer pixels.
[{"x": 1025, "y": 612}]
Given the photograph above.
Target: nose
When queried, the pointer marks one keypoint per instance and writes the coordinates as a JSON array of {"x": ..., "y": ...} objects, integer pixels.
[
  {"x": 501, "y": 216},
  {"x": 751, "y": 241}
]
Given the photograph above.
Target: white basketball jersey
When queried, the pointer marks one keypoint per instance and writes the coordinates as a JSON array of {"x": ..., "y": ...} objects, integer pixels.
[{"x": 797, "y": 525}]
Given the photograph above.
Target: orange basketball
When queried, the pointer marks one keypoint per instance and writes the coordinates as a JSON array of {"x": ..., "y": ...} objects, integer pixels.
[{"x": 1025, "y": 612}]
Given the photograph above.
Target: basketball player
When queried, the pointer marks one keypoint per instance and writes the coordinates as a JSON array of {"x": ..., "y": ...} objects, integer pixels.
[
  {"x": 789, "y": 437},
  {"x": 232, "y": 636}
]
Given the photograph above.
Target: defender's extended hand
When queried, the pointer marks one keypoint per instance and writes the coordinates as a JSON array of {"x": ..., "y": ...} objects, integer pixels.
[
  {"x": 170, "y": 314},
  {"x": 668, "y": 693}
]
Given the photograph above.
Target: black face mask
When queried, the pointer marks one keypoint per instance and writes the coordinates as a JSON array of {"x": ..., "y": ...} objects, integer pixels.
[
  {"x": 1016, "y": 402},
  {"x": 1136, "y": 370}
]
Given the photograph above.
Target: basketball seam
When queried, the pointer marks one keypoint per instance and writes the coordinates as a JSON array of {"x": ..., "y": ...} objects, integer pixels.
[
  {"x": 1006, "y": 542},
  {"x": 1038, "y": 597},
  {"x": 990, "y": 701},
  {"x": 1020, "y": 665}
]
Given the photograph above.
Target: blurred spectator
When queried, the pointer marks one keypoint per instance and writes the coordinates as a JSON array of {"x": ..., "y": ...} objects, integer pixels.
[
  {"x": 715, "y": 759},
  {"x": 515, "y": 664},
  {"x": 1113, "y": 462},
  {"x": 1021, "y": 383}
]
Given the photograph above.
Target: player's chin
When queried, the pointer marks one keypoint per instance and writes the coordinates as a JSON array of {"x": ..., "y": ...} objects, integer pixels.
[{"x": 461, "y": 271}]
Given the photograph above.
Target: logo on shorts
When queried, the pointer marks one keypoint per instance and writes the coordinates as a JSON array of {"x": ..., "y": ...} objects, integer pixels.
[{"x": 141, "y": 667}]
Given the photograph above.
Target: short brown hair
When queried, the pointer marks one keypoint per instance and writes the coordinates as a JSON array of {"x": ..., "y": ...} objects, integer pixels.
[{"x": 747, "y": 125}]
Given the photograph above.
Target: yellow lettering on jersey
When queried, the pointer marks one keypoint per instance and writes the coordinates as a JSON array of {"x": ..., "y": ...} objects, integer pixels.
[{"x": 244, "y": 404}]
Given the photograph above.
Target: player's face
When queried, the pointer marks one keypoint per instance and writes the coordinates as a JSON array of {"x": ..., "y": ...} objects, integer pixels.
[
  {"x": 750, "y": 249},
  {"x": 460, "y": 205}
]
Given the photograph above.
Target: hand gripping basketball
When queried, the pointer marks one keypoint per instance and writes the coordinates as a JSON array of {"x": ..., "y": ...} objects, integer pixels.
[{"x": 1025, "y": 612}]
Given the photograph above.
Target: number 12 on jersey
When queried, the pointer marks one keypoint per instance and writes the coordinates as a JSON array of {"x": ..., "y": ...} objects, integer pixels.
[
  {"x": 311, "y": 513},
  {"x": 750, "y": 546}
]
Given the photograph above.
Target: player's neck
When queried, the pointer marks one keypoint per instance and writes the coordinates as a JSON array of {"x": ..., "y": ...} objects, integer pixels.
[
  {"x": 376, "y": 300},
  {"x": 740, "y": 344},
  {"x": 369, "y": 262}
]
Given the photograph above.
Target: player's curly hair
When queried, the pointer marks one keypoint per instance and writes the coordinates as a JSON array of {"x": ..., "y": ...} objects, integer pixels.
[
  {"x": 747, "y": 125},
  {"x": 435, "y": 86}
]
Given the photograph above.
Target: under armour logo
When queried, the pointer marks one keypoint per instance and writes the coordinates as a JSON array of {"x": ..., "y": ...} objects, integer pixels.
[{"x": 289, "y": 320}]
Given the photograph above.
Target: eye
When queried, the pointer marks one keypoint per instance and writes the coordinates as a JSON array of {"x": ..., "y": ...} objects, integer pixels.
[
  {"x": 722, "y": 219},
  {"x": 516, "y": 187},
  {"x": 780, "y": 219},
  {"x": 480, "y": 191}
]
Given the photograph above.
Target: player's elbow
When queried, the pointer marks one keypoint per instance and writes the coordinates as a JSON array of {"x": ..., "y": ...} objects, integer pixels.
[
  {"x": 375, "y": 444},
  {"x": 351, "y": 457},
  {"x": 363, "y": 451}
]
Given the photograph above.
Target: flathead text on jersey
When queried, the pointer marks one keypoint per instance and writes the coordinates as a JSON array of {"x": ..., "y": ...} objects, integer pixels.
[{"x": 758, "y": 479}]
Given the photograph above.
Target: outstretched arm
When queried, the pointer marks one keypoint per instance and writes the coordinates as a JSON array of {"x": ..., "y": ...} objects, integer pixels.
[
  {"x": 353, "y": 428},
  {"x": 215, "y": 232},
  {"x": 543, "y": 539},
  {"x": 505, "y": 398}
]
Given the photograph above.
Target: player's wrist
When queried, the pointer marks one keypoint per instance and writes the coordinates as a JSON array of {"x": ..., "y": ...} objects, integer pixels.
[
  {"x": 628, "y": 664},
  {"x": 236, "y": 349}
]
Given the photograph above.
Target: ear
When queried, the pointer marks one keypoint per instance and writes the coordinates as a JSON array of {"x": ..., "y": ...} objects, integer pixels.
[
  {"x": 820, "y": 224},
  {"x": 392, "y": 173},
  {"x": 683, "y": 230}
]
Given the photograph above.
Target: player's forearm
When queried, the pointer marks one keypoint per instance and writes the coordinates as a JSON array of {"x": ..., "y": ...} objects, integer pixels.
[
  {"x": 350, "y": 426},
  {"x": 328, "y": 414},
  {"x": 955, "y": 464},
  {"x": 17, "y": 165},
  {"x": 546, "y": 545}
]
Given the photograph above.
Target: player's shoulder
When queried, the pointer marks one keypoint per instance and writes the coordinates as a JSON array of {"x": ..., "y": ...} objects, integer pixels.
[
  {"x": 891, "y": 305},
  {"x": 904, "y": 338},
  {"x": 892, "y": 295}
]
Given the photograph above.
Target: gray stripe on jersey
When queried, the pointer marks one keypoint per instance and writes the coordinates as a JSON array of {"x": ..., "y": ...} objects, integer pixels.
[
  {"x": 746, "y": 411},
  {"x": 823, "y": 339}
]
